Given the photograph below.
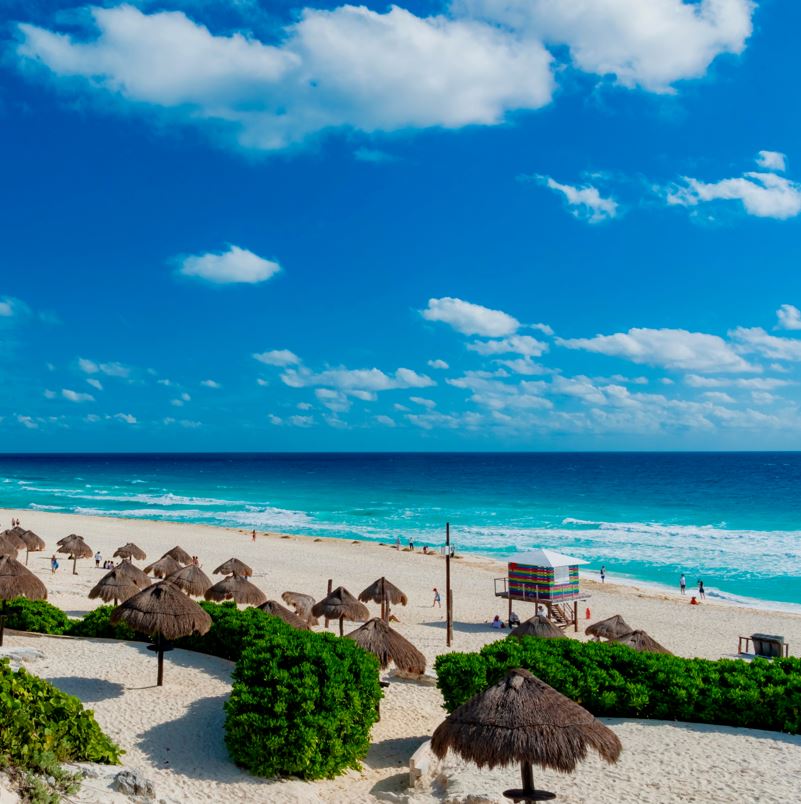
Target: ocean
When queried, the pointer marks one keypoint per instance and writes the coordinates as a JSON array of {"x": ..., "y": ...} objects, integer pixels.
[{"x": 731, "y": 519}]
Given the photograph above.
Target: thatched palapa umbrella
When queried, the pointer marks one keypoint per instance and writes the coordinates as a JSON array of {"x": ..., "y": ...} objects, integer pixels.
[
  {"x": 130, "y": 550},
  {"x": 8, "y": 547},
  {"x": 75, "y": 547},
  {"x": 163, "y": 612},
  {"x": 33, "y": 543},
  {"x": 116, "y": 586},
  {"x": 165, "y": 566},
  {"x": 234, "y": 567},
  {"x": 538, "y": 626},
  {"x": 522, "y": 719},
  {"x": 16, "y": 580},
  {"x": 376, "y": 637},
  {"x": 179, "y": 554},
  {"x": 238, "y": 589},
  {"x": 302, "y": 604},
  {"x": 14, "y": 536},
  {"x": 641, "y": 641},
  {"x": 192, "y": 580},
  {"x": 282, "y": 612},
  {"x": 384, "y": 592},
  {"x": 129, "y": 570},
  {"x": 610, "y": 628},
  {"x": 341, "y": 605}
]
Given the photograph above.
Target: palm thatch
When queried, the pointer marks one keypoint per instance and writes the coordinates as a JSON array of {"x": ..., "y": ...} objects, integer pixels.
[
  {"x": 179, "y": 554},
  {"x": 302, "y": 604},
  {"x": 234, "y": 567},
  {"x": 67, "y": 538},
  {"x": 238, "y": 589},
  {"x": 8, "y": 547},
  {"x": 610, "y": 628},
  {"x": 16, "y": 580},
  {"x": 13, "y": 536},
  {"x": 165, "y": 566},
  {"x": 289, "y": 617},
  {"x": 130, "y": 550},
  {"x": 129, "y": 570},
  {"x": 192, "y": 580},
  {"x": 641, "y": 641},
  {"x": 114, "y": 587},
  {"x": 522, "y": 719},
  {"x": 376, "y": 637},
  {"x": 341, "y": 605},
  {"x": 538, "y": 626},
  {"x": 75, "y": 547},
  {"x": 33, "y": 543},
  {"x": 384, "y": 592}
]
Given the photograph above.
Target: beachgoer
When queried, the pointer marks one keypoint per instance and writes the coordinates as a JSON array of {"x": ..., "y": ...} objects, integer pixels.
[
  {"x": 497, "y": 622},
  {"x": 437, "y": 599},
  {"x": 425, "y": 549},
  {"x": 53, "y": 564},
  {"x": 98, "y": 558},
  {"x": 701, "y": 592},
  {"x": 253, "y": 535},
  {"x": 411, "y": 544},
  {"x": 683, "y": 583},
  {"x": 693, "y": 601},
  {"x": 603, "y": 573},
  {"x": 514, "y": 620}
]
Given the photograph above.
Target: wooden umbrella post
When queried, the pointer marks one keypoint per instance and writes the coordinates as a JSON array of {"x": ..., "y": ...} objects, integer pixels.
[
  {"x": 384, "y": 606},
  {"x": 75, "y": 565},
  {"x": 160, "y": 675},
  {"x": 342, "y": 626}
]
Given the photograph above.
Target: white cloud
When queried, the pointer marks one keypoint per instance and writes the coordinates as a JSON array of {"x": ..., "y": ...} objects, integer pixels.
[
  {"x": 48, "y": 394},
  {"x": 650, "y": 44},
  {"x": 751, "y": 383},
  {"x": 13, "y": 308},
  {"x": 301, "y": 421},
  {"x": 772, "y": 160},
  {"x": 423, "y": 402},
  {"x": 718, "y": 396},
  {"x": 27, "y": 421},
  {"x": 278, "y": 357},
  {"x": 262, "y": 382},
  {"x": 470, "y": 319},
  {"x": 349, "y": 67},
  {"x": 95, "y": 383},
  {"x": 76, "y": 396},
  {"x": 524, "y": 365},
  {"x": 387, "y": 421},
  {"x": 545, "y": 329},
  {"x": 789, "y": 317},
  {"x": 355, "y": 381},
  {"x": 109, "y": 369},
  {"x": 210, "y": 384},
  {"x": 669, "y": 348},
  {"x": 755, "y": 339},
  {"x": 518, "y": 344},
  {"x": 438, "y": 364},
  {"x": 585, "y": 203},
  {"x": 304, "y": 406},
  {"x": 236, "y": 265},
  {"x": 273, "y": 419},
  {"x": 333, "y": 400},
  {"x": 180, "y": 401},
  {"x": 125, "y": 417},
  {"x": 764, "y": 195}
]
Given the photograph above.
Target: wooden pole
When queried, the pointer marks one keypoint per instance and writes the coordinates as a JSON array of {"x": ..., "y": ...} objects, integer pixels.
[
  {"x": 330, "y": 588},
  {"x": 448, "y": 596},
  {"x": 74, "y": 565},
  {"x": 575, "y": 616},
  {"x": 160, "y": 676},
  {"x": 384, "y": 612},
  {"x": 341, "y": 626}
]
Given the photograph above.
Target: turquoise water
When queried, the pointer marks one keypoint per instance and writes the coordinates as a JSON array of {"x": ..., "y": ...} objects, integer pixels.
[{"x": 733, "y": 519}]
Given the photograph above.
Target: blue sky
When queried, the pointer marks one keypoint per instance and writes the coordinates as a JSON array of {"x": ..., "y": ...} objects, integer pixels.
[{"x": 478, "y": 225}]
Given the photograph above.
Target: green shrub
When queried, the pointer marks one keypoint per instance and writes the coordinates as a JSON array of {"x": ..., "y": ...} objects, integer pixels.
[
  {"x": 97, "y": 623},
  {"x": 302, "y": 705},
  {"x": 38, "y": 616},
  {"x": 615, "y": 681}
]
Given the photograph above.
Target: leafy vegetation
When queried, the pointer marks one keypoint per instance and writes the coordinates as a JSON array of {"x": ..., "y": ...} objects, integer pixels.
[
  {"x": 615, "y": 681},
  {"x": 38, "y": 616},
  {"x": 97, "y": 623},
  {"x": 302, "y": 704}
]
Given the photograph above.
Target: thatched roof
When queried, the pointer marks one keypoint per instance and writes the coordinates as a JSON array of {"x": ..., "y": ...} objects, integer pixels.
[
  {"x": 191, "y": 580},
  {"x": 289, "y": 617},
  {"x": 165, "y": 566},
  {"x": 13, "y": 536},
  {"x": 610, "y": 628},
  {"x": 130, "y": 550},
  {"x": 376, "y": 637},
  {"x": 234, "y": 567},
  {"x": 163, "y": 609},
  {"x": 639, "y": 640},
  {"x": 114, "y": 587},
  {"x": 127, "y": 569},
  {"x": 538, "y": 626},
  {"x": 33, "y": 543},
  {"x": 238, "y": 589},
  {"x": 381, "y": 590},
  {"x": 7, "y": 547},
  {"x": 16, "y": 580},
  {"x": 341, "y": 604},
  {"x": 302, "y": 604},
  {"x": 67, "y": 538},
  {"x": 522, "y": 719},
  {"x": 179, "y": 554},
  {"x": 75, "y": 547}
]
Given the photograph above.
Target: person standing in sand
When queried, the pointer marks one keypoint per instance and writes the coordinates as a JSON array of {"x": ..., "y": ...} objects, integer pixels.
[
  {"x": 603, "y": 573},
  {"x": 701, "y": 592},
  {"x": 437, "y": 598},
  {"x": 53, "y": 564},
  {"x": 683, "y": 583},
  {"x": 253, "y": 535}
]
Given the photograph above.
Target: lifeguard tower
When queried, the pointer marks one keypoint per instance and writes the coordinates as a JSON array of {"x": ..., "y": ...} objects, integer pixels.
[{"x": 545, "y": 578}]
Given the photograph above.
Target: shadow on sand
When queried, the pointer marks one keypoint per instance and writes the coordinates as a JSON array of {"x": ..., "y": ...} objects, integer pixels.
[{"x": 89, "y": 690}]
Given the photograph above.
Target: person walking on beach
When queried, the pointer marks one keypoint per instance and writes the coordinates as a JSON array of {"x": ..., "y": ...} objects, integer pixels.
[
  {"x": 253, "y": 535},
  {"x": 53, "y": 564},
  {"x": 683, "y": 583},
  {"x": 98, "y": 558},
  {"x": 437, "y": 599},
  {"x": 603, "y": 573},
  {"x": 701, "y": 592},
  {"x": 411, "y": 544}
]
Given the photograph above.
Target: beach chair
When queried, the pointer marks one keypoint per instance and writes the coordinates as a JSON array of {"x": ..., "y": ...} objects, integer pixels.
[{"x": 767, "y": 646}]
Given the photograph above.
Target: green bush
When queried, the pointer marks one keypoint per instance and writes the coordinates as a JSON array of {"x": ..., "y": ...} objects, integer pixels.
[
  {"x": 38, "y": 616},
  {"x": 302, "y": 704},
  {"x": 97, "y": 623},
  {"x": 615, "y": 681}
]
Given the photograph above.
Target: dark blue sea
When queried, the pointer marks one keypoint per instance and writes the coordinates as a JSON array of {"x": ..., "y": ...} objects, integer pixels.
[{"x": 733, "y": 519}]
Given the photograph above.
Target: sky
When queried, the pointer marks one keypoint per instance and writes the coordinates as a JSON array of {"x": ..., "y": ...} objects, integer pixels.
[{"x": 477, "y": 225}]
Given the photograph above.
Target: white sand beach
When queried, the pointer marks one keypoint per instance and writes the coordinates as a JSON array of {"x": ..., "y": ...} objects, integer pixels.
[{"x": 174, "y": 734}]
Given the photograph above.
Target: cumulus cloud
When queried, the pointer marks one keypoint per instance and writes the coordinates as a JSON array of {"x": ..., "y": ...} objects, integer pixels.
[
  {"x": 234, "y": 266},
  {"x": 301, "y": 421},
  {"x": 585, "y": 202},
  {"x": 470, "y": 319},
  {"x": 356, "y": 382},
  {"x": 518, "y": 344},
  {"x": 772, "y": 160},
  {"x": 76, "y": 396},
  {"x": 750, "y": 383},
  {"x": 278, "y": 357},
  {"x": 109, "y": 369},
  {"x": 789, "y": 317},
  {"x": 438, "y": 364},
  {"x": 669, "y": 348},
  {"x": 387, "y": 421},
  {"x": 423, "y": 402},
  {"x": 334, "y": 400},
  {"x": 127, "y": 418},
  {"x": 349, "y": 67},
  {"x": 95, "y": 383},
  {"x": 755, "y": 339},
  {"x": 210, "y": 384}
]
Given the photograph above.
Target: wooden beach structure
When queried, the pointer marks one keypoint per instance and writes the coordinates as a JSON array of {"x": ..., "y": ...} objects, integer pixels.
[{"x": 545, "y": 578}]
